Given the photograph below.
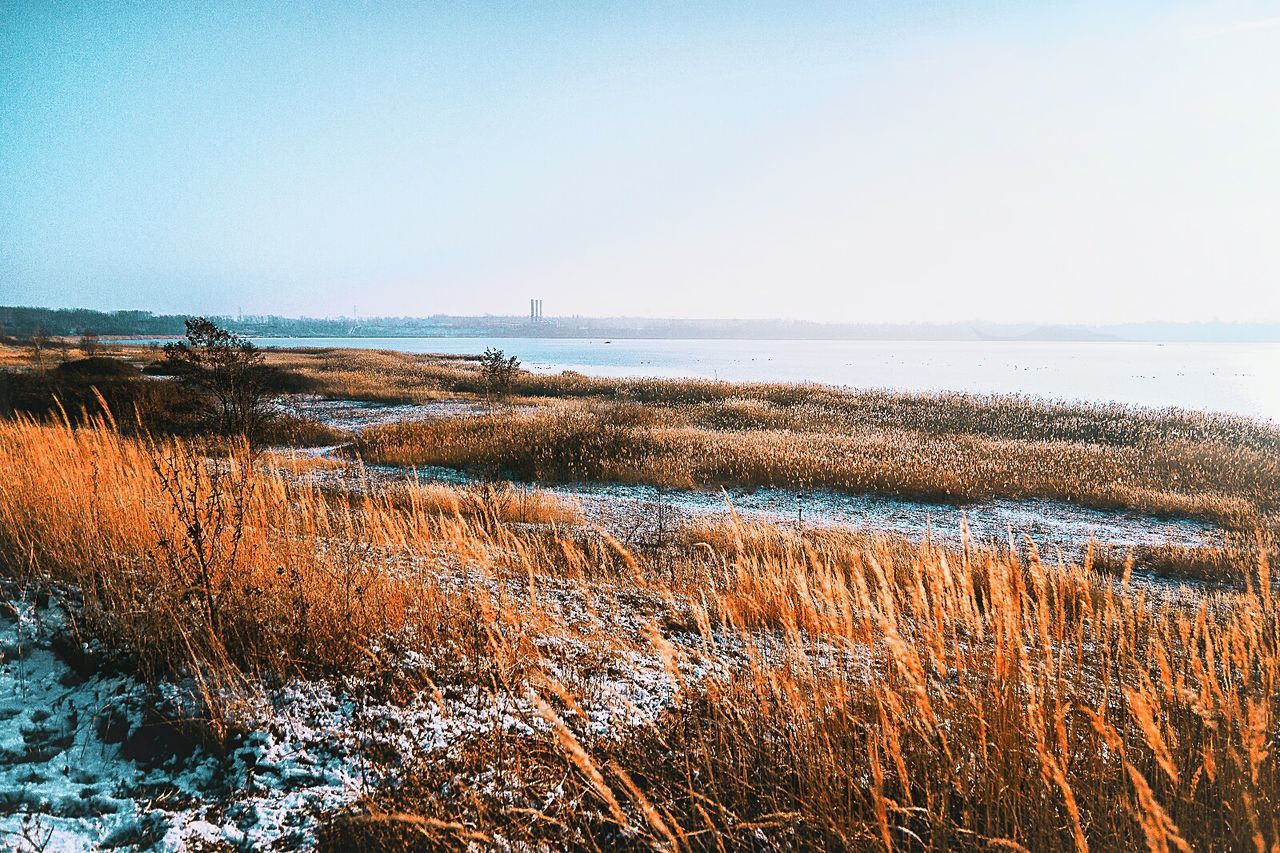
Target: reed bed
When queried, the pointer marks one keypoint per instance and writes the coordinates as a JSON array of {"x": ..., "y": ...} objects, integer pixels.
[
  {"x": 1231, "y": 483},
  {"x": 379, "y": 376},
  {"x": 12, "y": 355},
  {"x": 834, "y": 691},
  {"x": 398, "y": 377},
  {"x": 1213, "y": 564}
]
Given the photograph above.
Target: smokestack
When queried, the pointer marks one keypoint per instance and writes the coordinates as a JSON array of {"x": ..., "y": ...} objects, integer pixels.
[{"x": 531, "y": 310}]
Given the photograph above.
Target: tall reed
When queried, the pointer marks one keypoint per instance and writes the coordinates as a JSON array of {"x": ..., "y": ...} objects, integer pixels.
[
  {"x": 837, "y": 691},
  {"x": 1234, "y": 485}
]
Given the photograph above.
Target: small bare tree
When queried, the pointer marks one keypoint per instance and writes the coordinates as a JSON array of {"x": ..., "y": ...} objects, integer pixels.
[
  {"x": 39, "y": 342},
  {"x": 498, "y": 369},
  {"x": 228, "y": 368},
  {"x": 89, "y": 344}
]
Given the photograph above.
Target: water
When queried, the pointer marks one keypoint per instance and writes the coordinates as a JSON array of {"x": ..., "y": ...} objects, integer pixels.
[{"x": 1237, "y": 378}]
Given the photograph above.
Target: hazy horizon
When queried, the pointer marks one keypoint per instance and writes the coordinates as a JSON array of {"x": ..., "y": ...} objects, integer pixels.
[{"x": 1075, "y": 164}]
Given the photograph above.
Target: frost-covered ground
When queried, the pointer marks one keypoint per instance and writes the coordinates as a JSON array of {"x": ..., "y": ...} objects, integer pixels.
[
  {"x": 88, "y": 761},
  {"x": 624, "y": 508},
  {"x": 355, "y": 416},
  {"x": 1050, "y": 524}
]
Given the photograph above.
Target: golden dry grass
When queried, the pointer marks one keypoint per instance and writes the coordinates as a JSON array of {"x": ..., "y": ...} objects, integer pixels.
[
  {"x": 492, "y": 504},
  {"x": 864, "y": 694},
  {"x": 12, "y": 355},
  {"x": 976, "y": 701},
  {"x": 294, "y": 462}
]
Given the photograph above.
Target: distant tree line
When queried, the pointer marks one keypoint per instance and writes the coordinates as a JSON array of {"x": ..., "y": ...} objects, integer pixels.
[
  {"x": 19, "y": 322},
  {"x": 23, "y": 323}
]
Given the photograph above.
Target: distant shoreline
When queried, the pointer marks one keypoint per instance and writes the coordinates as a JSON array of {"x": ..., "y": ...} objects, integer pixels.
[
  {"x": 144, "y": 339},
  {"x": 20, "y": 322}
]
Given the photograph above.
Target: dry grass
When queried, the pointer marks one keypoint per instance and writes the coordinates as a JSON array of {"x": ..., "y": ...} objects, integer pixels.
[
  {"x": 379, "y": 376},
  {"x": 491, "y": 503},
  {"x": 836, "y": 692},
  {"x": 1216, "y": 564},
  {"x": 693, "y": 433},
  {"x": 906, "y": 698},
  {"x": 1233, "y": 481},
  {"x": 202, "y": 562},
  {"x": 13, "y": 355},
  {"x": 296, "y": 463}
]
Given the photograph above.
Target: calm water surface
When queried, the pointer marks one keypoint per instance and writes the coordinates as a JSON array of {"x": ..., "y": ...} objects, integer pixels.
[{"x": 1237, "y": 378}]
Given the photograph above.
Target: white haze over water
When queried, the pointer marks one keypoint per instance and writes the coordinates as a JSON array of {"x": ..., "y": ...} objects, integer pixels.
[{"x": 1241, "y": 379}]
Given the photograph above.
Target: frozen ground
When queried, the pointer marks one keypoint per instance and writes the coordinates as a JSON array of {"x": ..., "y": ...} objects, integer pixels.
[
  {"x": 85, "y": 763},
  {"x": 88, "y": 760},
  {"x": 355, "y": 416},
  {"x": 1049, "y": 523}
]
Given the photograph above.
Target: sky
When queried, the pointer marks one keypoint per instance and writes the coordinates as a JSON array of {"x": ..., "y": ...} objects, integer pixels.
[{"x": 854, "y": 162}]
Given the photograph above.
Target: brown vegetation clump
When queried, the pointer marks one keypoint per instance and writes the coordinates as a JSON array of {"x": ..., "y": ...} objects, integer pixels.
[{"x": 220, "y": 385}]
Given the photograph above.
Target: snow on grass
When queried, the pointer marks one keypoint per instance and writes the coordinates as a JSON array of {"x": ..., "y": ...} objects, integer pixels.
[
  {"x": 355, "y": 416},
  {"x": 86, "y": 761}
]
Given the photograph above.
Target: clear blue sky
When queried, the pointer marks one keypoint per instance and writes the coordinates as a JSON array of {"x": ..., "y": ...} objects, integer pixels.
[{"x": 889, "y": 161}]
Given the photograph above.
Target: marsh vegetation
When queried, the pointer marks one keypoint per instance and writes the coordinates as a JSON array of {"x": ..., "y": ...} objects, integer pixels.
[{"x": 737, "y": 684}]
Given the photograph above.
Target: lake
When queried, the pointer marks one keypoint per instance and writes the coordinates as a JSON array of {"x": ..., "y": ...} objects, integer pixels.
[{"x": 1225, "y": 377}]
